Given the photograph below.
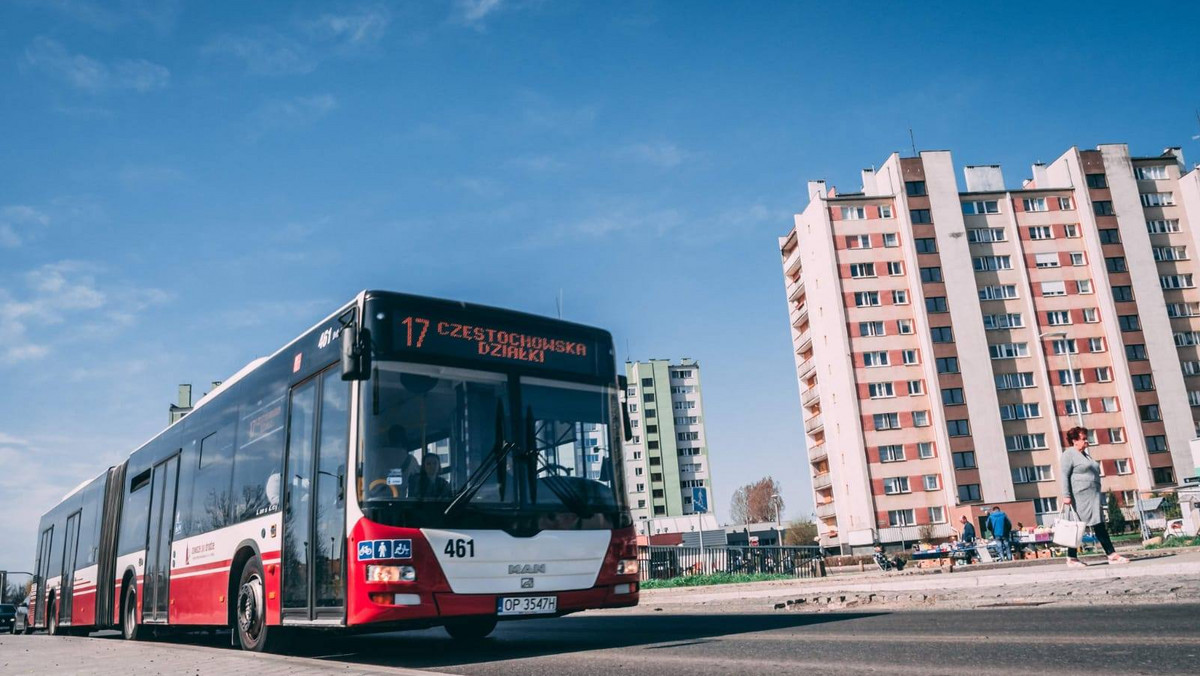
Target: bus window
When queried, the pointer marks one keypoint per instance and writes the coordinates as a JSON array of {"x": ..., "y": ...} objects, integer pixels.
[
  {"x": 211, "y": 503},
  {"x": 259, "y": 459}
]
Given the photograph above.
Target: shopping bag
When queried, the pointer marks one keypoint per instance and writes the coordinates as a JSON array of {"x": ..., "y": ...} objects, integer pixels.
[{"x": 1068, "y": 530}]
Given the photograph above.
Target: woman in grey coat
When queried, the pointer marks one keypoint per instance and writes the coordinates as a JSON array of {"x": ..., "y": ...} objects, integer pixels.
[{"x": 1080, "y": 476}]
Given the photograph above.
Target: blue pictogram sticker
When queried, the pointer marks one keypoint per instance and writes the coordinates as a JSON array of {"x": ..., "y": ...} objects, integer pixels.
[
  {"x": 379, "y": 550},
  {"x": 401, "y": 549},
  {"x": 366, "y": 550}
]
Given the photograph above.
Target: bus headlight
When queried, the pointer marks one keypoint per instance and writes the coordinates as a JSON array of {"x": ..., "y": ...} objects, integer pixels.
[
  {"x": 391, "y": 574},
  {"x": 627, "y": 567}
]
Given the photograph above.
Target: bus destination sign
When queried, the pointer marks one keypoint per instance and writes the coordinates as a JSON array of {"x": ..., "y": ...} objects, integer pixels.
[{"x": 484, "y": 340}]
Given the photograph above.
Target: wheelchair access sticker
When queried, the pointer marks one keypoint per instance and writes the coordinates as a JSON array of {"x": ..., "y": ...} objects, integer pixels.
[{"x": 380, "y": 550}]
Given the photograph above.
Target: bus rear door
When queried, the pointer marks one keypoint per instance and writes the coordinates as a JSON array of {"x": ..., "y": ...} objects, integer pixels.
[{"x": 158, "y": 548}]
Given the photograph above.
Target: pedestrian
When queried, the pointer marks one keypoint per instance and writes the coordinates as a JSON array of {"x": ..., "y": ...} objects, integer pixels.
[
  {"x": 1081, "y": 492},
  {"x": 1001, "y": 529},
  {"x": 967, "y": 537}
]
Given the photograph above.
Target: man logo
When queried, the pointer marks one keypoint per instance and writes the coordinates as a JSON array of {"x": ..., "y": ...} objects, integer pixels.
[
  {"x": 526, "y": 568},
  {"x": 527, "y": 583}
]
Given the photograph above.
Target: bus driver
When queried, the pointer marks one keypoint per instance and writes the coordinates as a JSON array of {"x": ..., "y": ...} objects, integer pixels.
[{"x": 395, "y": 466}]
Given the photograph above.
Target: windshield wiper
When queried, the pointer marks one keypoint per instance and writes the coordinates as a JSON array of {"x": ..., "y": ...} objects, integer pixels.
[
  {"x": 500, "y": 452},
  {"x": 563, "y": 490}
]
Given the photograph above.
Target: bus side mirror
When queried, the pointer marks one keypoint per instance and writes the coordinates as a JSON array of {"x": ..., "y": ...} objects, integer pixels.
[{"x": 356, "y": 357}]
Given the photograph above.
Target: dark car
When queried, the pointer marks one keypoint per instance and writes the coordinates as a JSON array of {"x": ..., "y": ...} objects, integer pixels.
[{"x": 8, "y": 617}]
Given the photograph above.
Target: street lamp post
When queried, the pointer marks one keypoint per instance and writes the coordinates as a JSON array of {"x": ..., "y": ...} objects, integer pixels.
[
  {"x": 776, "y": 498},
  {"x": 1071, "y": 370}
]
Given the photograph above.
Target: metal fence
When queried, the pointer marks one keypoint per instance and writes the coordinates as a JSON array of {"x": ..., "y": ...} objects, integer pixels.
[{"x": 664, "y": 563}]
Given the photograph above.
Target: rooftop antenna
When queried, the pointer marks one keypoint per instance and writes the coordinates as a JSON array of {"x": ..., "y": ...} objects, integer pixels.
[
  {"x": 1197, "y": 136},
  {"x": 912, "y": 139},
  {"x": 558, "y": 302}
]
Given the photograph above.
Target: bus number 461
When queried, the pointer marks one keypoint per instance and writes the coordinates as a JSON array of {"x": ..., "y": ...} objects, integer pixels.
[{"x": 460, "y": 549}]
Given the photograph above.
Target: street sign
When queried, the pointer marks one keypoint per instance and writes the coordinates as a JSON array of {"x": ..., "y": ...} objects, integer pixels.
[{"x": 700, "y": 500}]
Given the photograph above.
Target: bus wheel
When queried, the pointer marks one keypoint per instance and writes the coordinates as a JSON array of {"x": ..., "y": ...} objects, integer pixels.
[
  {"x": 51, "y": 619},
  {"x": 130, "y": 629},
  {"x": 250, "y": 613},
  {"x": 470, "y": 628}
]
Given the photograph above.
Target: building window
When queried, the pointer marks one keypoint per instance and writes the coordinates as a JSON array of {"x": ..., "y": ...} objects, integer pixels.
[
  {"x": 1071, "y": 230},
  {"x": 920, "y": 418},
  {"x": 930, "y": 482},
  {"x": 1064, "y": 203},
  {"x": 958, "y": 428},
  {"x": 926, "y": 245},
  {"x": 1065, "y": 346},
  {"x": 871, "y": 329},
  {"x": 937, "y": 515},
  {"x": 1163, "y": 227},
  {"x": 1156, "y": 443},
  {"x": 1109, "y": 404},
  {"x": 1103, "y": 374},
  {"x": 866, "y": 299},
  {"x": 942, "y": 334},
  {"x": 1150, "y": 173},
  {"x": 890, "y": 239},
  {"x": 1135, "y": 352},
  {"x": 1014, "y": 381},
  {"x": 916, "y": 387},
  {"x": 904, "y": 327},
  {"x": 1066, "y": 377},
  {"x": 861, "y": 270},
  {"x": 935, "y": 304},
  {"x": 992, "y": 263},
  {"x": 947, "y": 364},
  {"x": 881, "y": 390},
  {"x": 1034, "y": 204},
  {"x": 1176, "y": 310},
  {"x": 1170, "y": 253},
  {"x": 874, "y": 359},
  {"x": 1058, "y": 318},
  {"x": 1045, "y": 505},
  {"x": 952, "y": 396},
  {"x": 1077, "y": 258},
  {"x": 1149, "y": 413},
  {"x": 1116, "y": 264},
  {"x": 1129, "y": 323},
  {"x": 981, "y": 207},
  {"x": 931, "y": 274},
  {"x": 911, "y": 357},
  {"x": 1041, "y": 232},
  {"x": 1009, "y": 320},
  {"x": 1116, "y": 435},
  {"x": 901, "y": 517},
  {"x": 1096, "y": 345},
  {"x": 1025, "y": 442},
  {"x": 1164, "y": 475},
  {"x": 887, "y": 421},
  {"x": 1031, "y": 474},
  {"x": 650, "y": 412},
  {"x": 900, "y": 297},
  {"x": 1176, "y": 282},
  {"x": 1122, "y": 294},
  {"x": 1008, "y": 350},
  {"x": 895, "y": 268},
  {"x": 891, "y": 453},
  {"x": 914, "y": 188},
  {"x": 895, "y": 485},
  {"x": 1158, "y": 199},
  {"x": 1083, "y": 286},
  {"x": 885, "y": 211},
  {"x": 969, "y": 493},
  {"x": 986, "y": 235},
  {"x": 925, "y": 449},
  {"x": 1046, "y": 260},
  {"x": 1096, "y": 180},
  {"x": 854, "y": 213},
  {"x": 1103, "y": 208},
  {"x": 1055, "y": 288},
  {"x": 1021, "y": 411},
  {"x": 1076, "y": 406}
]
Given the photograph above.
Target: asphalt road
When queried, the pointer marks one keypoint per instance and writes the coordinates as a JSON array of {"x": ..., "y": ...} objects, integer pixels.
[
  {"x": 1046, "y": 640},
  {"x": 1127, "y": 640}
]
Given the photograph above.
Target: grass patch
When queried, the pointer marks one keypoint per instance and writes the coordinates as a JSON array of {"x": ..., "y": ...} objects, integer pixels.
[
  {"x": 1177, "y": 542},
  {"x": 713, "y": 578}
]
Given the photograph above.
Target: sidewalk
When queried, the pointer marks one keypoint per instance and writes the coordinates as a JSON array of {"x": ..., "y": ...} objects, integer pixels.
[{"x": 1154, "y": 577}]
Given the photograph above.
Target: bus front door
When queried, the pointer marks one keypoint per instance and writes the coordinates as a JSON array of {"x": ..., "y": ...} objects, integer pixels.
[
  {"x": 70, "y": 547},
  {"x": 314, "y": 507},
  {"x": 158, "y": 547}
]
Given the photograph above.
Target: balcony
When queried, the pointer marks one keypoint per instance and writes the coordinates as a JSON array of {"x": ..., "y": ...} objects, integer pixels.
[
  {"x": 813, "y": 424},
  {"x": 821, "y": 481},
  {"x": 799, "y": 313},
  {"x": 792, "y": 262},
  {"x": 797, "y": 289},
  {"x": 804, "y": 340},
  {"x": 806, "y": 368},
  {"x": 810, "y": 395},
  {"x": 817, "y": 452},
  {"x": 826, "y": 510},
  {"x": 913, "y": 533}
]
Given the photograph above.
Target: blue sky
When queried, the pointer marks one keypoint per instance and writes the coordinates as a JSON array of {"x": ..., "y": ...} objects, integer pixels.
[{"x": 185, "y": 186}]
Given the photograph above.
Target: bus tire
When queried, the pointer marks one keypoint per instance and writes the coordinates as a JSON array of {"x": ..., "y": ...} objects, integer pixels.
[
  {"x": 471, "y": 628},
  {"x": 130, "y": 629},
  {"x": 250, "y": 611},
  {"x": 52, "y": 627}
]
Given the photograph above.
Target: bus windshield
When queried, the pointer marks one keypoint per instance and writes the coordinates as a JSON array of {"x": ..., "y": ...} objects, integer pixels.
[{"x": 521, "y": 444}]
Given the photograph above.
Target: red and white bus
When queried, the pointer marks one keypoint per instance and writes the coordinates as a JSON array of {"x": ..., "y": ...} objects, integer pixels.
[{"x": 408, "y": 462}]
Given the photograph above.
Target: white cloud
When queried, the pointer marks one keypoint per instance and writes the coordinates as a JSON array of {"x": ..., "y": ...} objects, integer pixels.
[
  {"x": 267, "y": 52},
  {"x": 474, "y": 12},
  {"x": 18, "y": 222},
  {"x": 660, "y": 154},
  {"x": 294, "y": 113},
  {"x": 112, "y": 14},
  {"x": 49, "y": 295},
  {"x": 620, "y": 220},
  {"x": 84, "y": 72},
  {"x": 364, "y": 26}
]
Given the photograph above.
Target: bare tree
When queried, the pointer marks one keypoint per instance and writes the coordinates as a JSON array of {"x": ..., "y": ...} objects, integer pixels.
[
  {"x": 800, "y": 533},
  {"x": 753, "y": 503}
]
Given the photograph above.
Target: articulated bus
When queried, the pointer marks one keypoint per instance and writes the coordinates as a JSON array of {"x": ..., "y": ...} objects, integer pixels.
[{"x": 408, "y": 462}]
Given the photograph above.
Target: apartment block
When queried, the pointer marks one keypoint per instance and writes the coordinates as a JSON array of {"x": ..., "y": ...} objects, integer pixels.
[
  {"x": 946, "y": 336},
  {"x": 666, "y": 463}
]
